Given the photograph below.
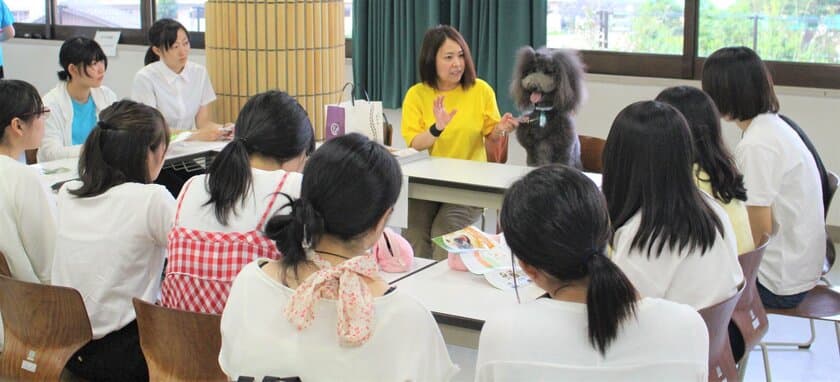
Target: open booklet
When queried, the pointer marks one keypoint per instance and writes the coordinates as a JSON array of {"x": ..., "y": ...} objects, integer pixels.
[
  {"x": 483, "y": 254},
  {"x": 407, "y": 155}
]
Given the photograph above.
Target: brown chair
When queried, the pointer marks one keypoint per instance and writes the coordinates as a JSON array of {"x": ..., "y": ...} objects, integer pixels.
[
  {"x": 31, "y": 156},
  {"x": 44, "y": 326},
  {"x": 497, "y": 150},
  {"x": 717, "y": 317},
  {"x": 830, "y": 255},
  {"x": 821, "y": 303},
  {"x": 591, "y": 149},
  {"x": 749, "y": 316},
  {"x": 179, "y": 345},
  {"x": 4, "y": 266}
]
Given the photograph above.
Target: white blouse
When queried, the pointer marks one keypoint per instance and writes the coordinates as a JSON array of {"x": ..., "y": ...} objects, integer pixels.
[
  {"x": 111, "y": 248},
  {"x": 683, "y": 276},
  {"x": 547, "y": 340},
  {"x": 178, "y": 96},
  {"x": 258, "y": 340}
]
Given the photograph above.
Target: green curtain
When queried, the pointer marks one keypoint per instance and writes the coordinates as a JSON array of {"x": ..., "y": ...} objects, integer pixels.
[
  {"x": 495, "y": 30},
  {"x": 387, "y": 35},
  {"x": 386, "y": 40}
]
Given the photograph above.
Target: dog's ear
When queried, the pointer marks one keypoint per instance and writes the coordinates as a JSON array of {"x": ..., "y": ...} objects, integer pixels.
[
  {"x": 569, "y": 77},
  {"x": 525, "y": 58}
]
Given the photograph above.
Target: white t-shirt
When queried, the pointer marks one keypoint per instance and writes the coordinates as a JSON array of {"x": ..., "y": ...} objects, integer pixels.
[
  {"x": 780, "y": 173},
  {"x": 178, "y": 96},
  {"x": 27, "y": 222},
  {"x": 196, "y": 215},
  {"x": 682, "y": 276},
  {"x": 111, "y": 247},
  {"x": 258, "y": 340},
  {"x": 541, "y": 340}
]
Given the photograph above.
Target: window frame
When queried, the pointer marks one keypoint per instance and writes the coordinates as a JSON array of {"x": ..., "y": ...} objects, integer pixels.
[{"x": 688, "y": 65}]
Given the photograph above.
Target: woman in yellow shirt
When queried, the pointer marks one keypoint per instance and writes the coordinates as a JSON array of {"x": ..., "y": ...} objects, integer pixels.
[
  {"x": 450, "y": 113},
  {"x": 714, "y": 169}
]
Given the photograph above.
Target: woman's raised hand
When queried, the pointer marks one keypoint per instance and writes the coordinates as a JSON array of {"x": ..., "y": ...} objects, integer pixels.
[{"x": 442, "y": 118}]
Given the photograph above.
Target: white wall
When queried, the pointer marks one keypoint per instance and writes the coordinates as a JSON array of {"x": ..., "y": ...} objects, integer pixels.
[{"x": 816, "y": 110}]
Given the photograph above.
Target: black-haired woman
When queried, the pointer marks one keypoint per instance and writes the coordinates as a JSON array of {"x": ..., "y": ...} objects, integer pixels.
[
  {"x": 179, "y": 88},
  {"x": 780, "y": 174},
  {"x": 714, "y": 168},
  {"x": 322, "y": 313},
  {"x": 77, "y": 100},
  {"x": 111, "y": 239},
  {"x": 220, "y": 216},
  {"x": 672, "y": 240},
  {"x": 557, "y": 225}
]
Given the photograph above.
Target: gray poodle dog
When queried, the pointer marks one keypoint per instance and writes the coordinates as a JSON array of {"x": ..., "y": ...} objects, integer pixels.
[{"x": 547, "y": 87}]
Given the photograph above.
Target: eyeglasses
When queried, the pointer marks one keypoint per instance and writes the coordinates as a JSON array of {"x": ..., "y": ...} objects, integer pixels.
[{"x": 39, "y": 113}]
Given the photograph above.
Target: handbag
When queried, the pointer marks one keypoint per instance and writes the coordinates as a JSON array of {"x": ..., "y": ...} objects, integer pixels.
[{"x": 361, "y": 116}]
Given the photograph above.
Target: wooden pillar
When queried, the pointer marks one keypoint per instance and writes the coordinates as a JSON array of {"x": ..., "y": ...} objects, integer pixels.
[{"x": 296, "y": 46}]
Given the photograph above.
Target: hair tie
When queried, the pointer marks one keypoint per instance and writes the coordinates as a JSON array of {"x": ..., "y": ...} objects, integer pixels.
[
  {"x": 244, "y": 140},
  {"x": 310, "y": 220},
  {"x": 591, "y": 253}
]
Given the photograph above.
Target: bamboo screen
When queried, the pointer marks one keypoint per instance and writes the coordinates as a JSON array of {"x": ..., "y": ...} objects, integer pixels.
[{"x": 296, "y": 46}]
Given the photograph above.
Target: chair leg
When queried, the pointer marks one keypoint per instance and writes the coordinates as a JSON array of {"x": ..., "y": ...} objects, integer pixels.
[
  {"x": 766, "y": 357},
  {"x": 800, "y": 345},
  {"x": 742, "y": 365}
]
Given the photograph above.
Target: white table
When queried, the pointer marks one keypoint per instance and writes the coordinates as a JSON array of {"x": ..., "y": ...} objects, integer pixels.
[
  {"x": 465, "y": 182},
  {"x": 418, "y": 264},
  {"x": 62, "y": 170},
  {"x": 460, "y": 301}
]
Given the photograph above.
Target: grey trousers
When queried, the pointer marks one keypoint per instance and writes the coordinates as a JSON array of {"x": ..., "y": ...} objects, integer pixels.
[{"x": 431, "y": 219}]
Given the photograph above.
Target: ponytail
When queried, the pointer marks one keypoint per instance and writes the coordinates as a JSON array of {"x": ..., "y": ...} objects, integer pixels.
[
  {"x": 610, "y": 300},
  {"x": 63, "y": 75},
  {"x": 151, "y": 57},
  {"x": 296, "y": 232},
  {"x": 229, "y": 177}
]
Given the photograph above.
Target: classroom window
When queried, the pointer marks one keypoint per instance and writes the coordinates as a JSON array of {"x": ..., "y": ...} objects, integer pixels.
[
  {"x": 190, "y": 13},
  {"x": 637, "y": 26},
  {"x": 27, "y": 11},
  {"x": 100, "y": 13},
  {"x": 779, "y": 30},
  {"x": 348, "y": 19}
]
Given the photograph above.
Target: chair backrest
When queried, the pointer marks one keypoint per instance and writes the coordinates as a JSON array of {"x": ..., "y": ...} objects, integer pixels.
[
  {"x": 721, "y": 360},
  {"x": 179, "y": 345},
  {"x": 830, "y": 254},
  {"x": 591, "y": 150},
  {"x": 749, "y": 316},
  {"x": 4, "y": 266},
  {"x": 497, "y": 150},
  {"x": 541, "y": 371},
  {"x": 31, "y": 156},
  {"x": 44, "y": 326}
]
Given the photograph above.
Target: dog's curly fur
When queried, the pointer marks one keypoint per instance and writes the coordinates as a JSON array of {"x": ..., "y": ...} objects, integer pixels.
[{"x": 558, "y": 76}]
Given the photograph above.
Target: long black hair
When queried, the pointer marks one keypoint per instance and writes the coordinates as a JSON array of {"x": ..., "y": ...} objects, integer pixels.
[
  {"x": 271, "y": 124},
  {"x": 709, "y": 151},
  {"x": 79, "y": 51},
  {"x": 20, "y": 100},
  {"x": 162, "y": 35},
  {"x": 348, "y": 186},
  {"x": 739, "y": 83},
  {"x": 648, "y": 161},
  {"x": 555, "y": 219},
  {"x": 117, "y": 149}
]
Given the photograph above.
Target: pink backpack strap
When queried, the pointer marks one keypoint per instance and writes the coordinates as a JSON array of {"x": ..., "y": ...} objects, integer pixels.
[
  {"x": 271, "y": 202},
  {"x": 181, "y": 200}
]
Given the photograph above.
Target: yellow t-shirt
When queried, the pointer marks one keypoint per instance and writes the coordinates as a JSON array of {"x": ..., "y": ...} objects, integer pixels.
[
  {"x": 463, "y": 137},
  {"x": 735, "y": 209}
]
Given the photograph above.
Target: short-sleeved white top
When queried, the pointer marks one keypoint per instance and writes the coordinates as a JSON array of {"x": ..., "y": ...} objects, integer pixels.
[
  {"x": 780, "y": 173},
  {"x": 178, "y": 96}
]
